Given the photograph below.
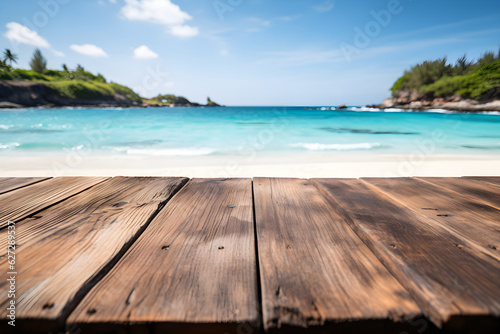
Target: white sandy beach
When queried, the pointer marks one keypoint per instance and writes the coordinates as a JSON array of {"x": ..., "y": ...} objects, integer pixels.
[{"x": 303, "y": 166}]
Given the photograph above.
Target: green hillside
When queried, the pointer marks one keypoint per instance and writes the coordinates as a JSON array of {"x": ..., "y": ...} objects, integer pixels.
[
  {"x": 479, "y": 79},
  {"x": 66, "y": 83}
]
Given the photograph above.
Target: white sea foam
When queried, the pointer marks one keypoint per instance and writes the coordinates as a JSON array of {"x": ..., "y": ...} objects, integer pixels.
[
  {"x": 336, "y": 147},
  {"x": 8, "y": 146},
  {"x": 4, "y": 127},
  {"x": 160, "y": 152},
  {"x": 396, "y": 110},
  {"x": 365, "y": 109},
  {"x": 441, "y": 111},
  {"x": 489, "y": 112}
]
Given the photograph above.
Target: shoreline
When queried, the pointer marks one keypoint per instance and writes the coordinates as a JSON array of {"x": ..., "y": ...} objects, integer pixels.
[{"x": 349, "y": 165}]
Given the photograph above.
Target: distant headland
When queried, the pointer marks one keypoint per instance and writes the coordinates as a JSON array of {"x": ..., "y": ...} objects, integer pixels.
[
  {"x": 467, "y": 85},
  {"x": 41, "y": 87}
]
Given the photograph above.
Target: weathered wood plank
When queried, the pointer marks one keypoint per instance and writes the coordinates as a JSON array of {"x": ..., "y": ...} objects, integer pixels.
[
  {"x": 193, "y": 268},
  {"x": 486, "y": 179},
  {"x": 314, "y": 269},
  {"x": 451, "y": 284},
  {"x": 11, "y": 183},
  {"x": 65, "y": 249},
  {"x": 466, "y": 190},
  {"x": 466, "y": 216},
  {"x": 19, "y": 204}
]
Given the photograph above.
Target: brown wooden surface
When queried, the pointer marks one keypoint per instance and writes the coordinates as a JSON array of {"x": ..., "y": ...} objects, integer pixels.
[
  {"x": 64, "y": 249},
  {"x": 464, "y": 213},
  {"x": 18, "y": 204},
  {"x": 487, "y": 179},
  {"x": 448, "y": 279},
  {"x": 194, "y": 265},
  {"x": 467, "y": 190},
  {"x": 338, "y": 255},
  {"x": 314, "y": 269},
  {"x": 10, "y": 183}
]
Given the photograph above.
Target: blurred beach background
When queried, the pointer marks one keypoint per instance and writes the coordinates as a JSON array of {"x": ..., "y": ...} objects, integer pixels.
[
  {"x": 248, "y": 141},
  {"x": 105, "y": 87}
]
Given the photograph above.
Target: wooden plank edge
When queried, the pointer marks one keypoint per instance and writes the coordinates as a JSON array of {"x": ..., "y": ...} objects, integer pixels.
[
  {"x": 456, "y": 323},
  {"x": 60, "y": 325},
  {"x": 25, "y": 185},
  {"x": 426, "y": 309},
  {"x": 164, "y": 327},
  {"x": 104, "y": 179},
  {"x": 483, "y": 180}
]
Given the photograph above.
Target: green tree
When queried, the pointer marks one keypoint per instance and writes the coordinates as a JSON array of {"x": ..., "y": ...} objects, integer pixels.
[
  {"x": 38, "y": 62},
  {"x": 463, "y": 65},
  {"x": 208, "y": 100},
  {"x": 487, "y": 58},
  {"x": 65, "y": 68},
  {"x": 79, "y": 68},
  {"x": 11, "y": 57}
]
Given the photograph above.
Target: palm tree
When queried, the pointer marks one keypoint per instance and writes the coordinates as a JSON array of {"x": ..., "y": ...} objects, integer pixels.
[{"x": 11, "y": 57}]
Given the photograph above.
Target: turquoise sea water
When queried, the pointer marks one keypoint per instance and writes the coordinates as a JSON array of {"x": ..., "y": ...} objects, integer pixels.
[{"x": 234, "y": 130}]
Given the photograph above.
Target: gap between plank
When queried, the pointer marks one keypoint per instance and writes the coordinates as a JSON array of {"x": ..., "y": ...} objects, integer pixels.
[
  {"x": 72, "y": 304},
  {"x": 257, "y": 262},
  {"x": 26, "y": 185},
  {"x": 62, "y": 200},
  {"x": 343, "y": 213}
]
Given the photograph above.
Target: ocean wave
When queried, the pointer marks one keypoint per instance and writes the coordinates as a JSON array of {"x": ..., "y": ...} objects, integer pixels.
[
  {"x": 8, "y": 146},
  {"x": 442, "y": 111},
  {"x": 396, "y": 110},
  {"x": 365, "y": 109},
  {"x": 489, "y": 112},
  {"x": 336, "y": 147},
  {"x": 4, "y": 127},
  {"x": 180, "y": 152}
]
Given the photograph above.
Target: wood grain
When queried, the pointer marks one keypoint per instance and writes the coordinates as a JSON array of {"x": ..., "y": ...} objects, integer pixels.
[
  {"x": 466, "y": 190},
  {"x": 463, "y": 212},
  {"x": 11, "y": 183},
  {"x": 484, "y": 179},
  {"x": 450, "y": 283},
  {"x": 314, "y": 269},
  {"x": 65, "y": 249},
  {"x": 19, "y": 204},
  {"x": 194, "y": 268}
]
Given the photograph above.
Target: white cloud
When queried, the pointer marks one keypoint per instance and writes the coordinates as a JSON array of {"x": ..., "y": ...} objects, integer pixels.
[
  {"x": 184, "y": 31},
  {"x": 58, "y": 53},
  {"x": 18, "y": 33},
  {"x": 143, "y": 52},
  {"x": 324, "y": 7},
  {"x": 112, "y": 1},
  {"x": 162, "y": 12},
  {"x": 89, "y": 50}
]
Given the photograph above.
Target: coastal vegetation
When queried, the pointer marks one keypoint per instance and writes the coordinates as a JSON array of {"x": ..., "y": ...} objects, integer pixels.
[
  {"x": 65, "y": 83},
  {"x": 474, "y": 79},
  {"x": 75, "y": 85},
  {"x": 169, "y": 99}
]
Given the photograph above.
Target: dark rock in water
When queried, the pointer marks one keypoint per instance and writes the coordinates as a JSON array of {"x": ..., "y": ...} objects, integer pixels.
[
  {"x": 10, "y": 105},
  {"x": 342, "y": 106},
  {"x": 413, "y": 100},
  {"x": 341, "y": 130}
]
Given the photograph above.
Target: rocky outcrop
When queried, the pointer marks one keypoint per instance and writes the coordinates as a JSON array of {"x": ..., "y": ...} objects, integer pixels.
[
  {"x": 417, "y": 101},
  {"x": 34, "y": 94}
]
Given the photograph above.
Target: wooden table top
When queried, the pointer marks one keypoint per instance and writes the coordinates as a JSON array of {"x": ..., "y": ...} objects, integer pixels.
[{"x": 171, "y": 254}]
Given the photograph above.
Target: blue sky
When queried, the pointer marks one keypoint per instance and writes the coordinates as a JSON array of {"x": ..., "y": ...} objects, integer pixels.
[{"x": 251, "y": 52}]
